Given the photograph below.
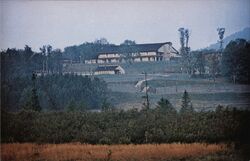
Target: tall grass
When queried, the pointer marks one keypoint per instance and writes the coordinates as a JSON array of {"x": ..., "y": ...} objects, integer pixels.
[{"x": 84, "y": 152}]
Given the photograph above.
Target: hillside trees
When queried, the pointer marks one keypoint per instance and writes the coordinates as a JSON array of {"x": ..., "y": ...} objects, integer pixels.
[
  {"x": 235, "y": 61},
  {"x": 128, "y": 42},
  {"x": 213, "y": 64},
  {"x": 52, "y": 62},
  {"x": 17, "y": 66},
  {"x": 90, "y": 50},
  {"x": 52, "y": 88},
  {"x": 61, "y": 92},
  {"x": 87, "y": 50},
  {"x": 102, "y": 41},
  {"x": 198, "y": 62},
  {"x": 19, "y": 63}
]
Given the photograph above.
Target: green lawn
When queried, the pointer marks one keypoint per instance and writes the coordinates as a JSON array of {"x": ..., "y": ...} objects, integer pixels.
[
  {"x": 199, "y": 101},
  {"x": 204, "y": 93}
]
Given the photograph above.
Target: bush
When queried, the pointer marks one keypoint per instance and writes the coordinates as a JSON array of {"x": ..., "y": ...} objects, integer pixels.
[{"x": 114, "y": 127}]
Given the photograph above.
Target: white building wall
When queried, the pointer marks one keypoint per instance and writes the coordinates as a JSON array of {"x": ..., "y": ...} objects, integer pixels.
[
  {"x": 151, "y": 53},
  {"x": 165, "y": 48},
  {"x": 104, "y": 72},
  {"x": 143, "y": 53},
  {"x": 114, "y": 61},
  {"x": 115, "y": 55},
  {"x": 87, "y": 61},
  {"x": 137, "y": 59},
  {"x": 135, "y": 54},
  {"x": 145, "y": 59},
  {"x": 167, "y": 51},
  {"x": 100, "y": 61},
  {"x": 152, "y": 59},
  {"x": 92, "y": 61}
]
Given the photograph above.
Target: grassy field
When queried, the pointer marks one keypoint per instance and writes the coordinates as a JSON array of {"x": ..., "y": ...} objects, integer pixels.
[
  {"x": 168, "y": 82},
  {"x": 130, "y": 68},
  {"x": 200, "y": 101},
  {"x": 86, "y": 152},
  {"x": 204, "y": 93}
]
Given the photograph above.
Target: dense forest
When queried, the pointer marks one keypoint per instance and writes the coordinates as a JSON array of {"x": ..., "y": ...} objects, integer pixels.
[
  {"x": 89, "y": 50},
  {"x": 235, "y": 61},
  {"x": 53, "y": 89},
  {"x": 55, "y": 92},
  {"x": 231, "y": 63}
]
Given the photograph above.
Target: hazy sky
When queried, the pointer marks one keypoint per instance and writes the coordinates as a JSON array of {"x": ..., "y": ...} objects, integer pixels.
[{"x": 64, "y": 23}]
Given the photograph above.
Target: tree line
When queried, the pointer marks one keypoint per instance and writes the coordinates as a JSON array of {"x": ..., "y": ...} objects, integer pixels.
[
  {"x": 160, "y": 125},
  {"x": 231, "y": 62},
  {"x": 54, "y": 92},
  {"x": 90, "y": 50},
  {"x": 35, "y": 80},
  {"x": 23, "y": 62},
  {"x": 163, "y": 124}
]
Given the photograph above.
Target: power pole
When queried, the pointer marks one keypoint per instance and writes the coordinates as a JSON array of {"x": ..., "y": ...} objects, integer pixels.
[{"x": 146, "y": 91}]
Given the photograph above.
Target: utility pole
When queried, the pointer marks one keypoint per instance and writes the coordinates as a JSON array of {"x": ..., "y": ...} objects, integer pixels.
[
  {"x": 176, "y": 89},
  {"x": 146, "y": 91},
  {"x": 146, "y": 134}
]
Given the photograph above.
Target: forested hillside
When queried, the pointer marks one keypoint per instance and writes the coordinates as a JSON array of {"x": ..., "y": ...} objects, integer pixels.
[
  {"x": 243, "y": 34},
  {"x": 89, "y": 50},
  {"x": 54, "y": 90}
]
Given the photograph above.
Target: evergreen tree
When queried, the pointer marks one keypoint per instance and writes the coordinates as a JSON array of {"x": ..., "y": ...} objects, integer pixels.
[
  {"x": 52, "y": 104},
  {"x": 71, "y": 106},
  {"x": 235, "y": 61},
  {"x": 82, "y": 106},
  {"x": 165, "y": 105},
  {"x": 33, "y": 102},
  {"x": 106, "y": 106},
  {"x": 186, "y": 103}
]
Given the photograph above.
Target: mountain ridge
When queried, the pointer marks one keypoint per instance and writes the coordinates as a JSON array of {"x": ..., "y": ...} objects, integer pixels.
[{"x": 243, "y": 34}]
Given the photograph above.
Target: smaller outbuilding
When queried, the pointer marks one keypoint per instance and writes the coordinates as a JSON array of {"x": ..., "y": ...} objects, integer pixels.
[{"x": 109, "y": 69}]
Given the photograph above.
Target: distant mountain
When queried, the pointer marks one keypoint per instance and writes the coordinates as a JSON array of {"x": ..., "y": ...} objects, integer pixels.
[{"x": 243, "y": 34}]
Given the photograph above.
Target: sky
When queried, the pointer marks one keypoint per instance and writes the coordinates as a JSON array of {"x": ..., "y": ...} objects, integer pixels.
[{"x": 65, "y": 23}]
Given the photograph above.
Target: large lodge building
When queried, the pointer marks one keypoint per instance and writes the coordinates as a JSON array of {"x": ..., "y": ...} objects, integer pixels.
[{"x": 136, "y": 53}]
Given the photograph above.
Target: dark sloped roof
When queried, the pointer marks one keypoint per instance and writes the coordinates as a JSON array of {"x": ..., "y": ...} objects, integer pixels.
[
  {"x": 176, "y": 51},
  {"x": 107, "y": 68},
  {"x": 132, "y": 48}
]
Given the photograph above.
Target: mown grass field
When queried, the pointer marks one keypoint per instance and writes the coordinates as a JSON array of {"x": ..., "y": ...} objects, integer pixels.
[
  {"x": 86, "y": 152},
  {"x": 169, "y": 82},
  {"x": 204, "y": 93}
]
